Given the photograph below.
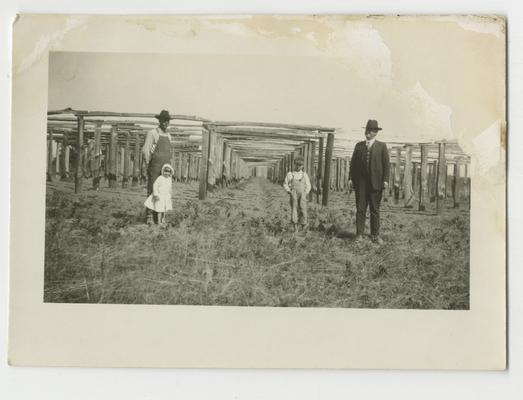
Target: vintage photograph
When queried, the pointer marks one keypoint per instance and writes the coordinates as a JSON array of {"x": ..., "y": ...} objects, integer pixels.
[
  {"x": 300, "y": 186},
  {"x": 256, "y": 180},
  {"x": 152, "y": 200}
]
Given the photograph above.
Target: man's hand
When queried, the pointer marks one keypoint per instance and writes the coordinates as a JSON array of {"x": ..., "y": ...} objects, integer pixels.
[
  {"x": 385, "y": 185},
  {"x": 350, "y": 186}
]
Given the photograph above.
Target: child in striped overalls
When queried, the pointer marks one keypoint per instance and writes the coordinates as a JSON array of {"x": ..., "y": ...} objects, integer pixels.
[{"x": 298, "y": 185}]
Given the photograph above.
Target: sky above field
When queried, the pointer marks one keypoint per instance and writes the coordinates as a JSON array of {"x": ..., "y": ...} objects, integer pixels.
[{"x": 422, "y": 80}]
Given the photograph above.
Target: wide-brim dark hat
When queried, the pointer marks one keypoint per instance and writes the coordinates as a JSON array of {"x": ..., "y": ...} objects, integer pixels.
[
  {"x": 164, "y": 114},
  {"x": 372, "y": 125}
]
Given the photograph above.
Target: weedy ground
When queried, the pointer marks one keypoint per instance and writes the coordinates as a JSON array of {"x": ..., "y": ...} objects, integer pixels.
[{"x": 236, "y": 248}]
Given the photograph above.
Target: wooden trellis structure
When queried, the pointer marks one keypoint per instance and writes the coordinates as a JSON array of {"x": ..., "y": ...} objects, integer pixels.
[{"x": 93, "y": 144}]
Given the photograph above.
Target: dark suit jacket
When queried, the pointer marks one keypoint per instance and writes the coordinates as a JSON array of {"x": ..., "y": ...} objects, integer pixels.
[{"x": 379, "y": 164}]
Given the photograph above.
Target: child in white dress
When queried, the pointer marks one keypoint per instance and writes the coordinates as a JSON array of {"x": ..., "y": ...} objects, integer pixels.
[{"x": 160, "y": 200}]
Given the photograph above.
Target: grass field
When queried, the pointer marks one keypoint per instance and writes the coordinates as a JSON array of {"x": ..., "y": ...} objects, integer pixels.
[{"x": 236, "y": 249}]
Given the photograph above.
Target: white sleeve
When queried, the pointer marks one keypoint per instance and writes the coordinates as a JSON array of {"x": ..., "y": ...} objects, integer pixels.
[{"x": 286, "y": 182}]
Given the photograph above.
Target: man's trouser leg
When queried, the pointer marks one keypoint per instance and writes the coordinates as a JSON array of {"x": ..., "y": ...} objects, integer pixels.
[
  {"x": 374, "y": 203},
  {"x": 361, "y": 207},
  {"x": 151, "y": 215},
  {"x": 294, "y": 207},
  {"x": 302, "y": 202}
]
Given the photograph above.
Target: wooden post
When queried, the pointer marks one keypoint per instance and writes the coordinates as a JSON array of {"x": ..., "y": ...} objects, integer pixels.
[
  {"x": 85, "y": 161},
  {"x": 113, "y": 158},
  {"x": 312, "y": 177},
  {"x": 67, "y": 154},
  {"x": 121, "y": 160},
  {"x": 339, "y": 166},
  {"x": 448, "y": 181},
  {"x": 423, "y": 180},
  {"x": 319, "y": 172},
  {"x": 397, "y": 174},
  {"x": 441, "y": 177},
  {"x": 182, "y": 166},
  {"x": 96, "y": 156},
  {"x": 57, "y": 159},
  {"x": 328, "y": 162},
  {"x": 188, "y": 167},
  {"x": 227, "y": 164},
  {"x": 304, "y": 151},
  {"x": 456, "y": 184},
  {"x": 179, "y": 166},
  {"x": 415, "y": 180},
  {"x": 434, "y": 183},
  {"x": 126, "y": 160},
  {"x": 63, "y": 153},
  {"x": 333, "y": 174},
  {"x": 136, "y": 161},
  {"x": 468, "y": 182},
  {"x": 407, "y": 177},
  {"x": 204, "y": 164},
  {"x": 107, "y": 157},
  {"x": 50, "y": 171},
  {"x": 79, "y": 144}
]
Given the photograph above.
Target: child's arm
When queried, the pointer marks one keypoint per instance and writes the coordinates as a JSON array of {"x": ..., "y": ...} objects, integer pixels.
[{"x": 286, "y": 183}]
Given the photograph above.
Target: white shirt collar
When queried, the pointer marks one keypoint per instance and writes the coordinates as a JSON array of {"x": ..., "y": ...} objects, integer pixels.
[{"x": 369, "y": 143}]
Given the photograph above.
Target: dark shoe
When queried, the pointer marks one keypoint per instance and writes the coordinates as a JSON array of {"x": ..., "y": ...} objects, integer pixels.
[
  {"x": 378, "y": 240},
  {"x": 150, "y": 220},
  {"x": 359, "y": 239}
]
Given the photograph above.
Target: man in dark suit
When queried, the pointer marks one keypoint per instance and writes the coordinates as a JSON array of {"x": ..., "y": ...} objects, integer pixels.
[{"x": 369, "y": 176}]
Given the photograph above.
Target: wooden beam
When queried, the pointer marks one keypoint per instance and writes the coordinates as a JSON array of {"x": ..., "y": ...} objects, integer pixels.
[
  {"x": 136, "y": 115},
  {"x": 274, "y": 125}
]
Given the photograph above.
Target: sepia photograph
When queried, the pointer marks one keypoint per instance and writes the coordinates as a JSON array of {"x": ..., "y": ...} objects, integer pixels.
[
  {"x": 252, "y": 181},
  {"x": 258, "y": 191}
]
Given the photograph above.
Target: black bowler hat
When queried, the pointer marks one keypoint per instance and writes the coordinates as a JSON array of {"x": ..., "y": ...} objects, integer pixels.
[
  {"x": 164, "y": 115},
  {"x": 372, "y": 125}
]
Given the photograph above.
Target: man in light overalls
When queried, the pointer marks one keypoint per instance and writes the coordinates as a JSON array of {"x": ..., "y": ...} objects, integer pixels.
[
  {"x": 157, "y": 151},
  {"x": 298, "y": 185}
]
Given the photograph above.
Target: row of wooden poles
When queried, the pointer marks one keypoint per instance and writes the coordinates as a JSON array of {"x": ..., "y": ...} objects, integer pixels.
[
  {"x": 121, "y": 156},
  {"x": 218, "y": 161},
  {"x": 420, "y": 182}
]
